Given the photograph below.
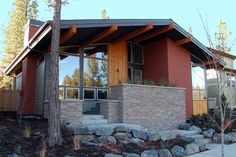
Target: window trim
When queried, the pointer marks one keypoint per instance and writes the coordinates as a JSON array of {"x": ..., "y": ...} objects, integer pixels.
[
  {"x": 101, "y": 90},
  {"x": 94, "y": 95},
  {"x": 72, "y": 98}
]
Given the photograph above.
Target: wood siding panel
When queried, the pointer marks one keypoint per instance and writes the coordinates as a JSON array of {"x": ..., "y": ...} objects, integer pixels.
[
  {"x": 118, "y": 63},
  {"x": 39, "y": 88}
]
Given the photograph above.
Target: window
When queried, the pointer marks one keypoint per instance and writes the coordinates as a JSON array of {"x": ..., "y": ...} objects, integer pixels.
[
  {"x": 137, "y": 76},
  {"x": 130, "y": 75},
  {"x": 102, "y": 94},
  {"x": 89, "y": 94},
  {"x": 138, "y": 54},
  {"x": 72, "y": 93},
  {"x": 61, "y": 93},
  {"x": 230, "y": 80},
  {"x": 129, "y": 52}
]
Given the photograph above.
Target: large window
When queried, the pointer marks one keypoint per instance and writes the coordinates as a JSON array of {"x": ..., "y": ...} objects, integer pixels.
[
  {"x": 135, "y": 62},
  {"x": 230, "y": 80}
]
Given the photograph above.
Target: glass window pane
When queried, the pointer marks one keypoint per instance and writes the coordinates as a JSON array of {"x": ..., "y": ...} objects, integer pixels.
[
  {"x": 137, "y": 76},
  {"x": 130, "y": 75},
  {"x": 233, "y": 80},
  {"x": 89, "y": 94},
  {"x": 129, "y": 52},
  {"x": 61, "y": 93},
  {"x": 198, "y": 78},
  {"x": 72, "y": 93},
  {"x": 102, "y": 94},
  {"x": 203, "y": 95},
  {"x": 196, "y": 95},
  {"x": 69, "y": 70},
  {"x": 138, "y": 54},
  {"x": 228, "y": 79}
]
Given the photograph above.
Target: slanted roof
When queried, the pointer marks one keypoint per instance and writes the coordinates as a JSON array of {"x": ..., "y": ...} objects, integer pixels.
[
  {"x": 220, "y": 53},
  {"x": 89, "y": 32}
]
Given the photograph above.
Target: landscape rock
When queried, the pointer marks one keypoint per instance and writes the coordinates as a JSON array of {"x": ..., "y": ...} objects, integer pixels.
[
  {"x": 88, "y": 138},
  {"x": 122, "y": 135},
  {"x": 104, "y": 130},
  {"x": 191, "y": 149},
  {"x": 195, "y": 128},
  {"x": 91, "y": 144},
  {"x": 149, "y": 153},
  {"x": 112, "y": 155},
  {"x": 177, "y": 151},
  {"x": 227, "y": 138},
  {"x": 184, "y": 126},
  {"x": 153, "y": 136},
  {"x": 105, "y": 139},
  {"x": 85, "y": 130},
  {"x": 208, "y": 133},
  {"x": 130, "y": 154},
  {"x": 136, "y": 141},
  {"x": 73, "y": 127},
  {"x": 140, "y": 133},
  {"x": 122, "y": 128},
  {"x": 13, "y": 155},
  {"x": 233, "y": 136},
  {"x": 164, "y": 153},
  {"x": 202, "y": 143},
  {"x": 187, "y": 139}
]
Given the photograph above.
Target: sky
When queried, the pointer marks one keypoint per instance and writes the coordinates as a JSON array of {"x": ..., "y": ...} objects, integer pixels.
[{"x": 184, "y": 12}]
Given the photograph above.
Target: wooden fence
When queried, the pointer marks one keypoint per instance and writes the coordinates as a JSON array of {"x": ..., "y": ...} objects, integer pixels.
[
  {"x": 200, "y": 107},
  {"x": 9, "y": 100}
]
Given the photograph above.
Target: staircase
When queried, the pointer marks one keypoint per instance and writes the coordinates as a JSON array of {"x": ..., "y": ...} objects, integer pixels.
[{"x": 92, "y": 119}]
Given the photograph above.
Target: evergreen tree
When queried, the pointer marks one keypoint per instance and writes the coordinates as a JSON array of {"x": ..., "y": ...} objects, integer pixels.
[{"x": 14, "y": 32}]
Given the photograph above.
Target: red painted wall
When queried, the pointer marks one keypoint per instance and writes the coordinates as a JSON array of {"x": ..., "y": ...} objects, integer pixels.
[
  {"x": 32, "y": 31},
  {"x": 179, "y": 65},
  {"x": 28, "y": 84},
  {"x": 155, "y": 61},
  {"x": 163, "y": 60}
]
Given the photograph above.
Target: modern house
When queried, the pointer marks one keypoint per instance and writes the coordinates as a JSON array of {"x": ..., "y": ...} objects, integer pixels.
[
  {"x": 227, "y": 79},
  {"x": 114, "y": 67}
]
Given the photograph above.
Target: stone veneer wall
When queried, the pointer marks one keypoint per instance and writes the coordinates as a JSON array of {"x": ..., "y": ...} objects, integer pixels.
[
  {"x": 111, "y": 110},
  {"x": 154, "y": 107},
  {"x": 71, "y": 110}
]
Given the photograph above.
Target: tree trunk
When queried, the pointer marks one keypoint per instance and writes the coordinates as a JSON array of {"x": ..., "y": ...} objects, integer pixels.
[{"x": 54, "y": 132}]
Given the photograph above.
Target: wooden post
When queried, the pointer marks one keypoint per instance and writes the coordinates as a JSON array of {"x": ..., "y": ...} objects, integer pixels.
[{"x": 81, "y": 76}]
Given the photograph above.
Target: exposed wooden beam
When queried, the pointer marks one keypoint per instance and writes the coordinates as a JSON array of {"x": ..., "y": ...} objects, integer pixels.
[
  {"x": 68, "y": 34},
  {"x": 154, "y": 33},
  {"x": 211, "y": 62},
  {"x": 100, "y": 35},
  {"x": 137, "y": 32},
  {"x": 183, "y": 41}
]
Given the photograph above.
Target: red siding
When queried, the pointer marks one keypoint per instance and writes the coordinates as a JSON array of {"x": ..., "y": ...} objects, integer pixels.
[
  {"x": 28, "y": 84},
  {"x": 163, "y": 60},
  {"x": 32, "y": 31},
  {"x": 155, "y": 61},
  {"x": 179, "y": 63}
]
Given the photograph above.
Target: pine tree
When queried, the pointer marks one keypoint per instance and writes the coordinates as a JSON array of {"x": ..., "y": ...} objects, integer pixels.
[{"x": 14, "y": 32}]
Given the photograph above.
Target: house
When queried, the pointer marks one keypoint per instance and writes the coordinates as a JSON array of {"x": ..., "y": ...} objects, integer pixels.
[
  {"x": 227, "y": 79},
  {"x": 110, "y": 67}
]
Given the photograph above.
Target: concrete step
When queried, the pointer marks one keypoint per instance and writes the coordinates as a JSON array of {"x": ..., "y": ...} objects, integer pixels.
[
  {"x": 92, "y": 117},
  {"x": 92, "y": 122}
]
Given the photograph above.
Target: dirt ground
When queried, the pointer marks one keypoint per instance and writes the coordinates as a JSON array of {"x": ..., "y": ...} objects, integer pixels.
[{"x": 13, "y": 140}]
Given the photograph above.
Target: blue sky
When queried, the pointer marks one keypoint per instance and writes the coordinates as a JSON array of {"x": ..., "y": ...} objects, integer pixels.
[{"x": 184, "y": 12}]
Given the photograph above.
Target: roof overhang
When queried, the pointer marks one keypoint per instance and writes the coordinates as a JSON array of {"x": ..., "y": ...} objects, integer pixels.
[{"x": 89, "y": 32}]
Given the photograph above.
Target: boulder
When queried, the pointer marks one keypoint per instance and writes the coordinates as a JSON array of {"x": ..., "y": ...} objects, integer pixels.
[
  {"x": 122, "y": 128},
  {"x": 164, "y": 153},
  {"x": 153, "y": 136},
  {"x": 112, "y": 155},
  {"x": 227, "y": 138},
  {"x": 73, "y": 127},
  {"x": 105, "y": 139},
  {"x": 13, "y": 155},
  {"x": 149, "y": 153},
  {"x": 88, "y": 138},
  {"x": 184, "y": 126},
  {"x": 195, "y": 128},
  {"x": 86, "y": 130},
  {"x": 140, "y": 133},
  {"x": 191, "y": 149},
  {"x": 122, "y": 135},
  {"x": 91, "y": 144},
  {"x": 177, "y": 151},
  {"x": 104, "y": 130},
  {"x": 233, "y": 136},
  {"x": 136, "y": 141},
  {"x": 208, "y": 133},
  {"x": 130, "y": 155},
  {"x": 202, "y": 143},
  {"x": 187, "y": 139}
]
